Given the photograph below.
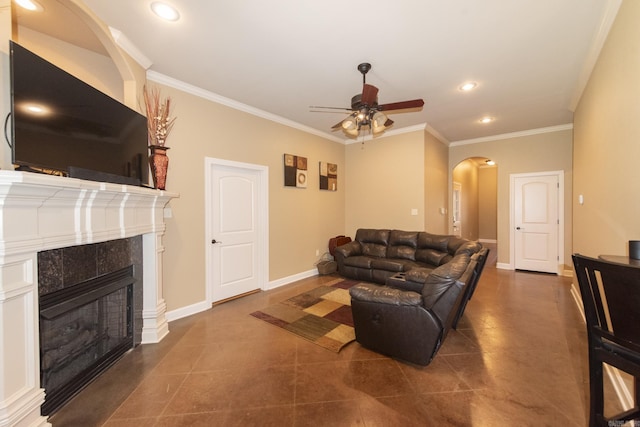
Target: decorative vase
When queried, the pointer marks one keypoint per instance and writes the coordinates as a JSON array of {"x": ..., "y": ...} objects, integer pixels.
[{"x": 159, "y": 163}]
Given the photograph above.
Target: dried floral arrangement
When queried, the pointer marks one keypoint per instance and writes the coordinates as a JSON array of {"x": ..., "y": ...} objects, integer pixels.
[{"x": 158, "y": 122}]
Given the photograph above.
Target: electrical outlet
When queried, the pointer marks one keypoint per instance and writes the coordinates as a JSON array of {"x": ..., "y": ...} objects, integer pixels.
[{"x": 317, "y": 252}]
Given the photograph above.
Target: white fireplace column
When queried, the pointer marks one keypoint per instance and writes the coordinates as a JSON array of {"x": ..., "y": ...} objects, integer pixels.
[{"x": 42, "y": 212}]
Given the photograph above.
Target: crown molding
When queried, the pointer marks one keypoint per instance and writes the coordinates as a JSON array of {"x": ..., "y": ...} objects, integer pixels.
[
  {"x": 520, "y": 134},
  {"x": 213, "y": 97},
  {"x": 132, "y": 50}
]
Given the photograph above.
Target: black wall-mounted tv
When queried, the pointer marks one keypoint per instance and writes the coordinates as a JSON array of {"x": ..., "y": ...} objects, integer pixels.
[{"x": 64, "y": 125}]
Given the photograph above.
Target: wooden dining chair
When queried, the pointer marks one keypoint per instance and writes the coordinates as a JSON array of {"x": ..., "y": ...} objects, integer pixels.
[{"x": 611, "y": 299}]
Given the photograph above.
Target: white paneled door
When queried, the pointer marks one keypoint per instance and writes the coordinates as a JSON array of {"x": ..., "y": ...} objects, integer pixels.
[
  {"x": 236, "y": 230},
  {"x": 536, "y": 222}
]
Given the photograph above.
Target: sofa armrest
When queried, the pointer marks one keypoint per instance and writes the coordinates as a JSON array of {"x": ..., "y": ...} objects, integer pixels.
[
  {"x": 384, "y": 295},
  {"x": 350, "y": 249}
]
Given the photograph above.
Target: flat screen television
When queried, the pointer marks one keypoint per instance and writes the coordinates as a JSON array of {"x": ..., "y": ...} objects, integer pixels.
[{"x": 64, "y": 125}]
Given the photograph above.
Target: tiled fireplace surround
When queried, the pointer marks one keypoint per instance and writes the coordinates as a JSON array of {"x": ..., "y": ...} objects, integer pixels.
[{"x": 41, "y": 212}]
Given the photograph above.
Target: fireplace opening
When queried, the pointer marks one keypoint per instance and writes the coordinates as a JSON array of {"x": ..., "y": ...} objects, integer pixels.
[{"x": 84, "y": 329}]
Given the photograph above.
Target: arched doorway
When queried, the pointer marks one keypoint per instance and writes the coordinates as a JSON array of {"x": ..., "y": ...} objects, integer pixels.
[{"x": 474, "y": 200}]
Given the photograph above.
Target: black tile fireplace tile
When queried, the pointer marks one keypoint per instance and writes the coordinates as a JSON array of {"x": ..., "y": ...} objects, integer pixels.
[
  {"x": 113, "y": 255},
  {"x": 79, "y": 264},
  {"x": 49, "y": 271}
]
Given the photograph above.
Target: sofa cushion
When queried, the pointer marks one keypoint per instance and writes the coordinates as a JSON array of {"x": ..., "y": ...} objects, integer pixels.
[
  {"x": 431, "y": 256},
  {"x": 440, "y": 279},
  {"x": 469, "y": 248},
  {"x": 368, "y": 235},
  {"x": 373, "y": 242},
  {"x": 418, "y": 275},
  {"x": 388, "y": 264},
  {"x": 403, "y": 252},
  {"x": 432, "y": 241},
  {"x": 358, "y": 261},
  {"x": 402, "y": 244}
]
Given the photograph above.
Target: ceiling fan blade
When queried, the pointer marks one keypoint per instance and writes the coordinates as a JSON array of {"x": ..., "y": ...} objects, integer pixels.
[
  {"x": 402, "y": 105},
  {"x": 337, "y": 125},
  {"x": 331, "y": 108},
  {"x": 388, "y": 123},
  {"x": 369, "y": 95}
]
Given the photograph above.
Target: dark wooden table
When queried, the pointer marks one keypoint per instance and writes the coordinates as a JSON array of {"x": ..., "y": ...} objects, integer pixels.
[{"x": 621, "y": 259}]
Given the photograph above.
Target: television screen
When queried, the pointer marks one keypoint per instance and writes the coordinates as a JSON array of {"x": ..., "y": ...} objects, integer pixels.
[{"x": 61, "y": 123}]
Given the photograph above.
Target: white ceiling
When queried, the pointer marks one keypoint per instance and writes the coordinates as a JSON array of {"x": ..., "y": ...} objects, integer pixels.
[{"x": 529, "y": 57}]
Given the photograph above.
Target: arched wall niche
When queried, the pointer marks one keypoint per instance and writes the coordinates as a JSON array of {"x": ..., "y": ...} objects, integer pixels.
[{"x": 70, "y": 35}]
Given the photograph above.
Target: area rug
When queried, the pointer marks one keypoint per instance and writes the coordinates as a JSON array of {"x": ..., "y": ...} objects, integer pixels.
[{"x": 321, "y": 315}]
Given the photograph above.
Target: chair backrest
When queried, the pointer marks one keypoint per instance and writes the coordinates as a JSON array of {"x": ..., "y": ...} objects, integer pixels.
[{"x": 611, "y": 299}]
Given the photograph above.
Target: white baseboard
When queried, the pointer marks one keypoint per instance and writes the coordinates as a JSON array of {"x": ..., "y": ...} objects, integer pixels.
[
  {"x": 187, "y": 311},
  {"x": 290, "y": 279},
  {"x": 504, "y": 266},
  {"x": 624, "y": 394},
  {"x": 201, "y": 306}
]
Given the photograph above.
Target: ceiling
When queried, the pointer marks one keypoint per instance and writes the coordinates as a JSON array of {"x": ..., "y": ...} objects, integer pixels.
[{"x": 530, "y": 58}]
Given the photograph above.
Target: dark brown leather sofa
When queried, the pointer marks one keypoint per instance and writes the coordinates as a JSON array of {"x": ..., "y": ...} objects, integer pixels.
[
  {"x": 378, "y": 254},
  {"x": 410, "y": 316}
]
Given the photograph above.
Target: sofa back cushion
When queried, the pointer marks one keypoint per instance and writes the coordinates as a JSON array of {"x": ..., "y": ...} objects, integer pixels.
[
  {"x": 402, "y": 244},
  {"x": 374, "y": 242},
  {"x": 443, "y": 277},
  {"x": 469, "y": 247},
  {"x": 433, "y": 241}
]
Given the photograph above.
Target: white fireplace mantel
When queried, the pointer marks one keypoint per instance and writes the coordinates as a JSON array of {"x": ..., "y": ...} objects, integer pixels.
[{"x": 41, "y": 212}]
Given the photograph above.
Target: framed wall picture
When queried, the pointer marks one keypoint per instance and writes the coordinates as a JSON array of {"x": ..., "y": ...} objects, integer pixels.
[
  {"x": 328, "y": 176},
  {"x": 295, "y": 171}
]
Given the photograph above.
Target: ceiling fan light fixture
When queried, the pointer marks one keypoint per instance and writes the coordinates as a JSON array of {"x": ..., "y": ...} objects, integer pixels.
[
  {"x": 378, "y": 122},
  {"x": 349, "y": 123}
]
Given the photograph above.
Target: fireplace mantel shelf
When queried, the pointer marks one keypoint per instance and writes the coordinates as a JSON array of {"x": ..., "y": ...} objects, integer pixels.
[{"x": 40, "y": 212}]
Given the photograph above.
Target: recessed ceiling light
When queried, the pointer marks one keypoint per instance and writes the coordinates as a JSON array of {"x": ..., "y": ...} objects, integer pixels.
[
  {"x": 468, "y": 86},
  {"x": 490, "y": 162},
  {"x": 486, "y": 120},
  {"x": 30, "y": 5},
  {"x": 165, "y": 11}
]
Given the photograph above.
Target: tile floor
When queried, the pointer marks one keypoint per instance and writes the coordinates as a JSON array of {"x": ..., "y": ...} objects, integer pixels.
[{"x": 518, "y": 358}]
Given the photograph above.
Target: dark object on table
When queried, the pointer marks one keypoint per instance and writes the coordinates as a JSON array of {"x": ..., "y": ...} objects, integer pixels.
[{"x": 611, "y": 299}]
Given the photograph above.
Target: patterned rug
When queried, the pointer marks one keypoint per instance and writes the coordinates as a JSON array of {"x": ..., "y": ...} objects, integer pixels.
[{"x": 321, "y": 315}]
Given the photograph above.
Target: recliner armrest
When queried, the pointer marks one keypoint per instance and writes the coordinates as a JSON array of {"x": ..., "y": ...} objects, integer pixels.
[
  {"x": 350, "y": 249},
  {"x": 384, "y": 295}
]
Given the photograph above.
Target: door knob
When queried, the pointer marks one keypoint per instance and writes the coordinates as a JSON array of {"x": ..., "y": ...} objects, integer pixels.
[
  {"x": 214, "y": 241},
  {"x": 517, "y": 228}
]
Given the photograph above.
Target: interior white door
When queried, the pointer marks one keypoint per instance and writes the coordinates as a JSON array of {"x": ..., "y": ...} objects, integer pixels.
[
  {"x": 234, "y": 231},
  {"x": 536, "y": 219},
  {"x": 457, "y": 209}
]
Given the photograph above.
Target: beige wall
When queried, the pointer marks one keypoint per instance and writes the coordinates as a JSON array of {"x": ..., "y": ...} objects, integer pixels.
[
  {"x": 385, "y": 181},
  {"x": 551, "y": 151},
  {"x": 466, "y": 174},
  {"x": 607, "y": 144},
  {"x": 487, "y": 203},
  {"x": 436, "y": 173},
  {"x": 301, "y": 220}
]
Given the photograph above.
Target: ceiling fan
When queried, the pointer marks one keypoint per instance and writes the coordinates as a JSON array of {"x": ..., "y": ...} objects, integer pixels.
[{"x": 365, "y": 112}]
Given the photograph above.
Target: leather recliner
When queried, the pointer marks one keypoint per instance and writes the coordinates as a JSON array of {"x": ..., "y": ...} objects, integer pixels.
[{"x": 408, "y": 325}]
